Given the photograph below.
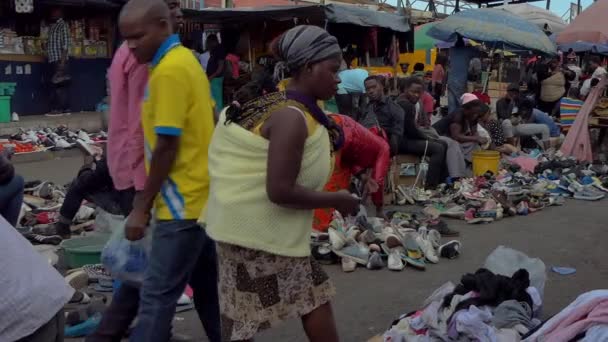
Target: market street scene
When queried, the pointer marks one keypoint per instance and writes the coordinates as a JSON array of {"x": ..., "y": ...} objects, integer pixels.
[{"x": 354, "y": 170}]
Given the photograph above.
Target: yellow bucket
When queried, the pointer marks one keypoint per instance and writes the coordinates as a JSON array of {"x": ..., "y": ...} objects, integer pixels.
[{"x": 484, "y": 161}]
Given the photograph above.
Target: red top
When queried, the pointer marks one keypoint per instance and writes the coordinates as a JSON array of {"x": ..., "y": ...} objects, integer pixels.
[{"x": 483, "y": 97}]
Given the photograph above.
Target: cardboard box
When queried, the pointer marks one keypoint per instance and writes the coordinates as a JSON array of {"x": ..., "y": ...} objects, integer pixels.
[{"x": 406, "y": 169}]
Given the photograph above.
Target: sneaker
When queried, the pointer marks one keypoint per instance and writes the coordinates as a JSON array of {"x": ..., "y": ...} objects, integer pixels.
[
  {"x": 85, "y": 147},
  {"x": 337, "y": 239},
  {"x": 435, "y": 238},
  {"x": 63, "y": 230},
  {"x": 450, "y": 250},
  {"x": 502, "y": 198},
  {"x": 78, "y": 280},
  {"x": 588, "y": 194},
  {"x": 84, "y": 136},
  {"x": 44, "y": 240},
  {"x": 323, "y": 254},
  {"x": 425, "y": 245},
  {"x": 348, "y": 265},
  {"x": 442, "y": 228},
  {"x": 395, "y": 259},
  {"x": 357, "y": 252},
  {"x": 375, "y": 261}
]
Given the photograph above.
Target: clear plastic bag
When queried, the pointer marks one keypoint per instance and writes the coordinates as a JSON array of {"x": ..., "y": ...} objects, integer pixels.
[
  {"x": 506, "y": 261},
  {"x": 126, "y": 260}
]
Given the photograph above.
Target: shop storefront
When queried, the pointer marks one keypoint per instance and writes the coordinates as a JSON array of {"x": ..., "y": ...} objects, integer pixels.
[{"x": 24, "y": 69}]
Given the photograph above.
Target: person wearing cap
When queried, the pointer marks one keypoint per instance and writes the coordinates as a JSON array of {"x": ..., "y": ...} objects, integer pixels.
[{"x": 459, "y": 131}]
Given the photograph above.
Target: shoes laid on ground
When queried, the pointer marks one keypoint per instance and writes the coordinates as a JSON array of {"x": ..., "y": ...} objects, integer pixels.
[
  {"x": 96, "y": 272},
  {"x": 85, "y": 147},
  {"x": 375, "y": 261},
  {"x": 450, "y": 250},
  {"x": 523, "y": 208},
  {"x": 80, "y": 298},
  {"x": 502, "y": 198},
  {"x": 348, "y": 264},
  {"x": 442, "y": 228}
]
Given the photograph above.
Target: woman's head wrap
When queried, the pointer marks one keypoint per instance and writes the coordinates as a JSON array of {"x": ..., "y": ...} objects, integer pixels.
[{"x": 306, "y": 44}]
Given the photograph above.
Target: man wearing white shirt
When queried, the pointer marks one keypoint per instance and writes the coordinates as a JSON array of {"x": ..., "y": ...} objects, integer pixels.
[
  {"x": 598, "y": 72},
  {"x": 33, "y": 292}
]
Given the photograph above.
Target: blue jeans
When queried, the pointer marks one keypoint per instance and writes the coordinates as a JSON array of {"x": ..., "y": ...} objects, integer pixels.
[
  {"x": 181, "y": 253},
  {"x": 11, "y": 197}
]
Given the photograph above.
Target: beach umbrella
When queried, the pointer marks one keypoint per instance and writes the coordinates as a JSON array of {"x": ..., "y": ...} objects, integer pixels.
[
  {"x": 421, "y": 40},
  {"x": 494, "y": 27},
  {"x": 589, "y": 26}
]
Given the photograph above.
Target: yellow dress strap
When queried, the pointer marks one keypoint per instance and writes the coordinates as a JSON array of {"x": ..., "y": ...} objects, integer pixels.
[{"x": 311, "y": 123}]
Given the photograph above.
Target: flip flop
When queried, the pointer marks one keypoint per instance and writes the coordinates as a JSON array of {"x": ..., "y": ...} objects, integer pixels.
[{"x": 413, "y": 256}]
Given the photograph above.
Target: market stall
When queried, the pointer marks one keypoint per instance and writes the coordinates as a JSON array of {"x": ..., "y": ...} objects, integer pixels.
[
  {"x": 369, "y": 36},
  {"x": 23, "y": 61}
]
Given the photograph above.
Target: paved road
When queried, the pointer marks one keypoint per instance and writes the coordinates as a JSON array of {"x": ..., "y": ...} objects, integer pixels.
[{"x": 367, "y": 301}]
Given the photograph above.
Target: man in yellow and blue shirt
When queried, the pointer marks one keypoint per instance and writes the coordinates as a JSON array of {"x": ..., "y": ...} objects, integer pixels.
[{"x": 177, "y": 120}]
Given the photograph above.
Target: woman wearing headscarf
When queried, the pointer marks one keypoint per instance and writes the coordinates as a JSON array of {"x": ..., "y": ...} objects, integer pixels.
[{"x": 268, "y": 161}]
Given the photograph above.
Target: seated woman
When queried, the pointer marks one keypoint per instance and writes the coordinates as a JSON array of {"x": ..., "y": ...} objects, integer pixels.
[
  {"x": 362, "y": 150},
  {"x": 494, "y": 128},
  {"x": 459, "y": 130}
]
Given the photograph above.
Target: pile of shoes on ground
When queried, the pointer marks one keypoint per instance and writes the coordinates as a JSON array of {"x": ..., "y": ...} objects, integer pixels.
[
  {"x": 59, "y": 138},
  {"x": 40, "y": 212},
  {"x": 408, "y": 239},
  {"x": 514, "y": 190}
]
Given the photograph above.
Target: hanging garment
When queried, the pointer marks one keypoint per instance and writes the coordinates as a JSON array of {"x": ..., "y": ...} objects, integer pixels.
[{"x": 578, "y": 143}]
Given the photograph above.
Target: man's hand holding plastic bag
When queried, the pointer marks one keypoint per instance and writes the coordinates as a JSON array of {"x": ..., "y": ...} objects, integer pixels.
[{"x": 126, "y": 260}]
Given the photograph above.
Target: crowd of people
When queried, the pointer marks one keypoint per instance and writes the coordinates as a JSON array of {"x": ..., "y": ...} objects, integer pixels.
[{"x": 232, "y": 198}]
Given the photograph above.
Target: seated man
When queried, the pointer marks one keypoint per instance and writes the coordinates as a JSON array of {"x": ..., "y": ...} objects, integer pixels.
[
  {"x": 535, "y": 116},
  {"x": 11, "y": 189},
  {"x": 413, "y": 140},
  {"x": 507, "y": 105},
  {"x": 517, "y": 126},
  {"x": 382, "y": 114},
  {"x": 459, "y": 131}
]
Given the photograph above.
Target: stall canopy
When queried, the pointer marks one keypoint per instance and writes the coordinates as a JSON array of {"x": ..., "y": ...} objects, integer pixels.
[
  {"x": 589, "y": 26},
  {"x": 541, "y": 17},
  {"x": 332, "y": 13}
]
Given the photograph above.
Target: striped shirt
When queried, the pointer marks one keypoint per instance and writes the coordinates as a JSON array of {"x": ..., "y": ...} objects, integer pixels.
[
  {"x": 32, "y": 290},
  {"x": 59, "y": 40},
  {"x": 568, "y": 109}
]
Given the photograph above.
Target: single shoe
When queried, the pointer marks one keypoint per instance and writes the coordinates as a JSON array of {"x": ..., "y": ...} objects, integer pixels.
[
  {"x": 450, "y": 250},
  {"x": 78, "y": 280},
  {"x": 44, "y": 240},
  {"x": 84, "y": 136},
  {"x": 375, "y": 261},
  {"x": 85, "y": 147},
  {"x": 367, "y": 237},
  {"x": 434, "y": 237},
  {"x": 348, "y": 265},
  {"x": 426, "y": 246},
  {"x": 413, "y": 254},
  {"x": 357, "y": 252},
  {"x": 85, "y": 213},
  {"x": 523, "y": 208},
  {"x": 337, "y": 239},
  {"x": 63, "y": 230},
  {"x": 395, "y": 259},
  {"x": 502, "y": 198},
  {"x": 442, "y": 228},
  {"x": 323, "y": 254},
  {"x": 587, "y": 194}
]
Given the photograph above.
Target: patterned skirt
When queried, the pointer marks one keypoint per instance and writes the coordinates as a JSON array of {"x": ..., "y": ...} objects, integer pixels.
[{"x": 258, "y": 289}]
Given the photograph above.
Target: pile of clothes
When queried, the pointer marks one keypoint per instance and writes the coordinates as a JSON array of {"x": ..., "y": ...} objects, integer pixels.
[
  {"x": 406, "y": 240},
  {"x": 484, "y": 306},
  {"x": 25, "y": 141}
]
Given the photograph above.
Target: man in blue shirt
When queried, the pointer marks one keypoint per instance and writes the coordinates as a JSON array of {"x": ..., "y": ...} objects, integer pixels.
[
  {"x": 535, "y": 122},
  {"x": 460, "y": 57},
  {"x": 350, "y": 91}
]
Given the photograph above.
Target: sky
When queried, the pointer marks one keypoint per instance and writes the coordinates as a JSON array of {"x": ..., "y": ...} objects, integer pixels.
[{"x": 559, "y": 7}]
